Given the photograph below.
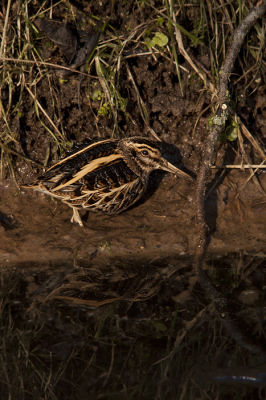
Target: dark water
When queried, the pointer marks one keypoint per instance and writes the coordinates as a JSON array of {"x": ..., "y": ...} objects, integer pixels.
[{"x": 128, "y": 329}]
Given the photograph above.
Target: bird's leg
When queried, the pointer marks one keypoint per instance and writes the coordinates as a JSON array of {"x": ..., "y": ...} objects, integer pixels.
[{"x": 76, "y": 217}]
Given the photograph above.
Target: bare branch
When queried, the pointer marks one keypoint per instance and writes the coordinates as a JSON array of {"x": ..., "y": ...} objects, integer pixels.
[{"x": 217, "y": 127}]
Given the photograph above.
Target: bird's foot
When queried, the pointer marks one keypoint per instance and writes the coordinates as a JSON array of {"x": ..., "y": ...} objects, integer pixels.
[{"x": 76, "y": 217}]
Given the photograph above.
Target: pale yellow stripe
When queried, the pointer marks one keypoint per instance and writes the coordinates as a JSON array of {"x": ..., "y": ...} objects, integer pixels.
[
  {"x": 88, "y": 192},
  {"x": 56, "y": 178},
  {"x": 143, "y": 146},
  {"x": 98, "y": 162},
  {"x": 85, "y": 149},
  {"x": 43, "y": 189}
]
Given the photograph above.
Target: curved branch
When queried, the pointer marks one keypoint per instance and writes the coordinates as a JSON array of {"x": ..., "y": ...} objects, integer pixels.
[{"x": 218, "y": 124}]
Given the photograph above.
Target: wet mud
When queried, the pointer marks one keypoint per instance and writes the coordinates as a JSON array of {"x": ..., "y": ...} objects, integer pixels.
[{"x": 160, "y": 225}]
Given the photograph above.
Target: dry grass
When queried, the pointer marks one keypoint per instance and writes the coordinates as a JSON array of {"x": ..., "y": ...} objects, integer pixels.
[{"x": 23, "y": 68}]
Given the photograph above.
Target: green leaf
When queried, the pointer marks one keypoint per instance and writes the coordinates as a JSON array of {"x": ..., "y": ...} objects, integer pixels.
[
  {"x": 231, "y": 133},
  {"x": 97, "y": 95},
  {"x": 150, "y": 42},
  {"x": 104, "y": 109},
  {"x": 160, "y": 21},
  {"x": 160, "y": 39}
]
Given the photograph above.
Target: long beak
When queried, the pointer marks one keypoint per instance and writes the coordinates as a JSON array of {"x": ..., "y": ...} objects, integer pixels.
[{"x": 166, "y": 166}]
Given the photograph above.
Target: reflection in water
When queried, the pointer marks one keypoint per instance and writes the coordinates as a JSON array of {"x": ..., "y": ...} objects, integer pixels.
[{"x": 130, "y": 330}]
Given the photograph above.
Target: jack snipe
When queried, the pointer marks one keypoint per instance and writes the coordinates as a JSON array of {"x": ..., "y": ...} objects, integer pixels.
[{"x": 104, "y": 176}]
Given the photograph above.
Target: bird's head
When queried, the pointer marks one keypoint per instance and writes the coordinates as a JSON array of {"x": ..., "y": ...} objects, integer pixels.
[{"x": 145, "y": 155}]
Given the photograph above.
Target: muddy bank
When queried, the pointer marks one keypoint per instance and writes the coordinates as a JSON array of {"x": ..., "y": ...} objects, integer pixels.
[{"x": 160, "y": 225}]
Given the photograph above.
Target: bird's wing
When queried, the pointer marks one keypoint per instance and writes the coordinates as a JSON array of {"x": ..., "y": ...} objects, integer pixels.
[
  {"x": 66, "y": 172},
  {"x": 110, "y": 188}
]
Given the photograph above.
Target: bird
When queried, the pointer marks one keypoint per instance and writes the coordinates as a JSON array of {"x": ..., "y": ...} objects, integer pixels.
[{"x": 104, "y": 176}]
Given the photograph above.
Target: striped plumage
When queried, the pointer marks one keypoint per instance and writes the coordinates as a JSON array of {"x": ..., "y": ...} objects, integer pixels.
[{"x": 104, "y": 176}]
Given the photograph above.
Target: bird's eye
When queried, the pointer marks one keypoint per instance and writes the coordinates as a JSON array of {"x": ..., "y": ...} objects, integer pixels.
[{"x": 144, "y": 153}]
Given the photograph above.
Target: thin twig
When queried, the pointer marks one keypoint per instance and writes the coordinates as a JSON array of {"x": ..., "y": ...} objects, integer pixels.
[
  {"x": 20, "y": 155},
  {"x": 47, "y": 64},
  {"x": 239, "y": 166},
  {"x": 44, "y": 112},
  {"x": 5, "y": 28},
  {"x": 196, "y": 61},
  {"x": 142, "y": 107},
  {"x": 251, "y": 176}
]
